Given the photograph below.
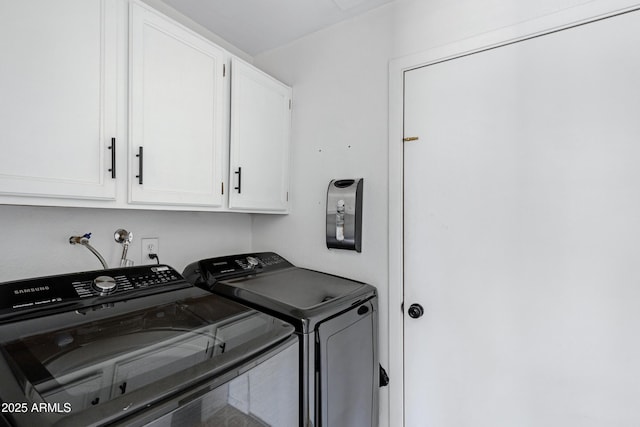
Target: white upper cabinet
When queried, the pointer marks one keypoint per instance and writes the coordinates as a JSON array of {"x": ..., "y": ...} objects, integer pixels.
[
  {"x": 58, "y": 98},
  {"x": 260, "y": 134},
  {"x": 177, "y": 113},
  {"x": 94, "y": 115}
]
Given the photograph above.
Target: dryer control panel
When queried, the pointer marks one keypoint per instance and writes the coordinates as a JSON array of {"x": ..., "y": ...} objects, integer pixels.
[{"x": 213, "y": 269}]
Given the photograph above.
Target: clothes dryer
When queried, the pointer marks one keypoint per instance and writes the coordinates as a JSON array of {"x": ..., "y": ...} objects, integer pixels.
[{"x": 336, "y": 320}]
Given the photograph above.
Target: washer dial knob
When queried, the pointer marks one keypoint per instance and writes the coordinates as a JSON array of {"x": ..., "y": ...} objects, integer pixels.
[{"x": 105, "y": 284}]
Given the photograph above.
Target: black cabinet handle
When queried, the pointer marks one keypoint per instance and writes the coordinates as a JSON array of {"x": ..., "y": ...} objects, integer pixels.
[
  {"x": 239, "y": 173},
  {"x": 140, "y": 162},
  {"x": 113, "y": 158}
]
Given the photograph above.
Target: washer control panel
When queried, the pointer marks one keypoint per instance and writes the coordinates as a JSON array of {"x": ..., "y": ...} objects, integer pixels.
[
  {"x": 131, "y": 279},
  {"x": 85, "y": 287}
]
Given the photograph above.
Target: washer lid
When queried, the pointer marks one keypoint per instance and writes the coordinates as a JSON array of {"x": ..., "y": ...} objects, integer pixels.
[{"x": 127, "y": 355}]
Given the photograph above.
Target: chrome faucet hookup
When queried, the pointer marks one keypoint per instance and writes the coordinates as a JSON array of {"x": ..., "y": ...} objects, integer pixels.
[
  {"x": 121, "y": 236},
  {"x": 84, "y": 241},
  {"x": 125, "y": 238}
]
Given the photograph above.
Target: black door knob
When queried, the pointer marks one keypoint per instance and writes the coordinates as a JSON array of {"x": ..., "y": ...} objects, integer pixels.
[{"x": 415, "y": 311}]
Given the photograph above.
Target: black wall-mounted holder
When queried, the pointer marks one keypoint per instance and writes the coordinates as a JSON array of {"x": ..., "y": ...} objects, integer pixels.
[{"x": 344, "y": 214}]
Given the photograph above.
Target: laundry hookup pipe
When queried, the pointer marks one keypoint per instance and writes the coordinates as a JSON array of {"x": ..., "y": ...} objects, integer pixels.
[{"x": 84, "y": 241}]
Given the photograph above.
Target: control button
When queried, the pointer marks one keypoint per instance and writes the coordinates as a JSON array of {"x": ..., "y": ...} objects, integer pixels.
[
  {"x": 253, "y": 262},
  {"x": 105, "y": 284}
]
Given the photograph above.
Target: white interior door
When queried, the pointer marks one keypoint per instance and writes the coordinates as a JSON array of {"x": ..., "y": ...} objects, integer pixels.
[{"x": 522, "y": 233}]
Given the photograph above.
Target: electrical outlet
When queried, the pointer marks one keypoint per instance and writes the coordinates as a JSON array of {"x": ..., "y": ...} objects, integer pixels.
[{"x": 150, "y": 245}]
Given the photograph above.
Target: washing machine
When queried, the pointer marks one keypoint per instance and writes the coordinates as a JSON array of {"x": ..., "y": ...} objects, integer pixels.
[
  {"x": 335, "y": 319},
  {"x": 139, "y": 346}
]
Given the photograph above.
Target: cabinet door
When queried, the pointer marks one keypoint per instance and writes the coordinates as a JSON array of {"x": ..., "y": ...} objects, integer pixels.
[
  {"x": 176, "y": 113},
  {"x": 260, "y": 132},
  {"x": 58, "y": 102}
]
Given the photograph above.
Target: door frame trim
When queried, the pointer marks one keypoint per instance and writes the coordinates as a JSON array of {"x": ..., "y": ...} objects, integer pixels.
[{"x": 577, "y": 15}]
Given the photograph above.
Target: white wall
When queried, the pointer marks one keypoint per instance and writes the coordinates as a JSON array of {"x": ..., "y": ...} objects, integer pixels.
[
  {"x": 339, "y": 130},
  {"x": 35, "y": 240},
  {"x": 340, "y": 127}
]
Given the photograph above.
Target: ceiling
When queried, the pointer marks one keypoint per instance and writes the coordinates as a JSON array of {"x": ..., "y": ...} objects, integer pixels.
[{"x": 255, "y": 26}]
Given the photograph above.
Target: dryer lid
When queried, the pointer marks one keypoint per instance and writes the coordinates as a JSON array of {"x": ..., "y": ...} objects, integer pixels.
[{"x": 300, "y": 288}]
